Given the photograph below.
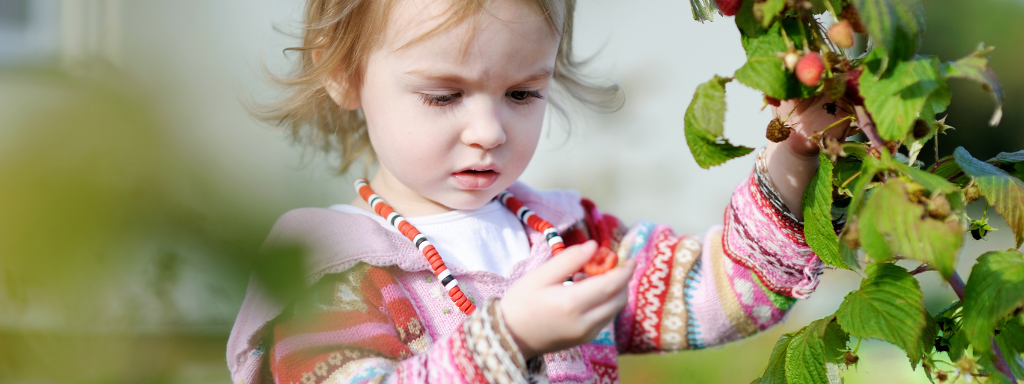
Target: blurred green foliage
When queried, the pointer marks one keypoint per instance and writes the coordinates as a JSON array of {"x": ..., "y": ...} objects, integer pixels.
[
  {"x": 953, "y": 31},
  {"x": 121, "y": 255}
]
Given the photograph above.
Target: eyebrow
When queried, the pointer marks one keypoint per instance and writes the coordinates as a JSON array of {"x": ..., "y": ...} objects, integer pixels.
[{"x": 453, "y": 77}]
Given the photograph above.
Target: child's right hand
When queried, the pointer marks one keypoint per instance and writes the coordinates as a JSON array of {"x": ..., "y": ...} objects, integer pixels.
[{"x": 545, "y": 316}]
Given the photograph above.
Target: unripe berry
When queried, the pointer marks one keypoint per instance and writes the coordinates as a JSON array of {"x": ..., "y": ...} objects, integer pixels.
[
  {"x": 809, "y": 69},
  {"x": 729, "y": 7},
  {"x": 841, "y": 33},
  {"x": 790, "y": 59}
]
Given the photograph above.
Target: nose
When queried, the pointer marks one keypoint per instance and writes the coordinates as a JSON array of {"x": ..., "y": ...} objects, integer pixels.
[{"x": 484, "y": 128}]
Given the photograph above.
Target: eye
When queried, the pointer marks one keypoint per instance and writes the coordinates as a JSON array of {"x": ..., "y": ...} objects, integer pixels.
[
  {"x": 440, "y": 100},
  {"x": 523, "y": 97}
]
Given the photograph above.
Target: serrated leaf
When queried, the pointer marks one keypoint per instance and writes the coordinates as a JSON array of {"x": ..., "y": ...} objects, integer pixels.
[
  {"x": 888, "y": 306},
  {"x": 814, "y": 354},
  {"x": 704, "y": 122},
  {"x": 764, "y": 45},
  {"x": 994, "y": 290},
  {"x": 895, "y": 99},
  {"x": 1002, "y": 191},
  {"x": 894, "y": 25},
  {"x": 891, "y": 225},
  {"x": 975, "y": 67},
  {"x": 808, "y": 357},
  {"x": 746, "y": 22},
  {"x": 817, "y": 207},
  {"x": 767, "y": 10},
  {"x": 775, "y": 372},
  {"x": 1010, "y": 338}
]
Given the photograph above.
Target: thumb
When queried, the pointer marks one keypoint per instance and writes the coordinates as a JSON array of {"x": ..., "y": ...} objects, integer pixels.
[{"x": 566, "y": 263}]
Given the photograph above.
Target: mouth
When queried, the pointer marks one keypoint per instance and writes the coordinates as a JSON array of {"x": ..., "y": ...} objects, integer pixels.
[{"x": 475, "y": 178}]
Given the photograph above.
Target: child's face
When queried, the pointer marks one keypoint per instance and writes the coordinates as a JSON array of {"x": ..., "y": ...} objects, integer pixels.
[{"x": 455, "y": 118}]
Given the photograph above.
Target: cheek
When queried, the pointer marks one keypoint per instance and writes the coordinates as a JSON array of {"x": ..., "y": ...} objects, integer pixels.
[{"x": 526, "y": 130}]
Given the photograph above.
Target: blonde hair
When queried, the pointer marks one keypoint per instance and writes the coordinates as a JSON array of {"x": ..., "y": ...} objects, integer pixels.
[{"x": 345, "y": 32}]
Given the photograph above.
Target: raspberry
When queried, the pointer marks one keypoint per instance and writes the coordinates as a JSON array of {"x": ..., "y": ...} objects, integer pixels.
[
  {"x": 729, "y": 7},
  {"x": 809, "y": 69},
  {"x": 841, "y": 33},
  {"x": 853, "y": 86},
  {"x": 938, "y": 207},
  {"x": 777, "y": 132},
  {"x": 773, "y": 101}
]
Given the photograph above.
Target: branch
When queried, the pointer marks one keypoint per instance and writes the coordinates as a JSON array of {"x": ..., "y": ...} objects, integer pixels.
[
  {"x": 1000, "y": 361},
  {"x": 868, "y": 127}
]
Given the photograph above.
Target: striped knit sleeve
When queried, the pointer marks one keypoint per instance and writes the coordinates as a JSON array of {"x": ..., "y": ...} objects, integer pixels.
[
  {"x": 741, "y": 278},
  {"x": 359, "y": 327}
]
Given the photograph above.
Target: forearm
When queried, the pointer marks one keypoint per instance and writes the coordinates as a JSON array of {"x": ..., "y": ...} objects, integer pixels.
[{"x": 790, "y": 173}]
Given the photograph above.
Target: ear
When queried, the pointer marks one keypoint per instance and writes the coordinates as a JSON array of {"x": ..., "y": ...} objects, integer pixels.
[{"x": 338, "y": 89}]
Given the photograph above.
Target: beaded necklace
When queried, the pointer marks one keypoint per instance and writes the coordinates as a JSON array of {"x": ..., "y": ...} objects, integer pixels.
[{"x": 450, "y": 283}]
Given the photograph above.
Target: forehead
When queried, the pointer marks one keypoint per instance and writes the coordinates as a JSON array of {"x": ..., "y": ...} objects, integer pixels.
[{"x": 456, "y": 26}]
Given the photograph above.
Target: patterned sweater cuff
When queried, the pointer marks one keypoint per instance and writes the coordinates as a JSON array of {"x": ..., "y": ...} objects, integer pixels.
[
  {"x": 762, "y": 234},
  {"x": 495, "y": 352}
]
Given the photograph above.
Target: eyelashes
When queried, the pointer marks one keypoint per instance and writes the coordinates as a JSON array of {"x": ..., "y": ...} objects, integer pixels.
[{"x": 521, "y": 97}]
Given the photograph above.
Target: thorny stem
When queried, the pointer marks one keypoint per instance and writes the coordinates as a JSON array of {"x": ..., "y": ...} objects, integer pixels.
[
  {"x": 868, "y": 127},
  {"x": 936, "y": 137},
  {"x": 1000, "y": 362}
]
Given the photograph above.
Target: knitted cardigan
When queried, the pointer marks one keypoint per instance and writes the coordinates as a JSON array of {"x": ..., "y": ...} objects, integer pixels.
[{"x": 375, "y": 313}]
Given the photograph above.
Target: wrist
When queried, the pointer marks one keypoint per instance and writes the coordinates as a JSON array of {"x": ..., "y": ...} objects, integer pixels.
[{"x": 514, "y": 331}]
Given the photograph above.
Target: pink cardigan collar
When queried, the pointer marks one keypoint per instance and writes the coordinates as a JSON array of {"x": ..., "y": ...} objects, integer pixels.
[{"x": 337, "y": 241}]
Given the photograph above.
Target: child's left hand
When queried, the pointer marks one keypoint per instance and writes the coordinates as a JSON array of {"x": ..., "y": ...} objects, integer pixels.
[{"x": 792, "y": 162}]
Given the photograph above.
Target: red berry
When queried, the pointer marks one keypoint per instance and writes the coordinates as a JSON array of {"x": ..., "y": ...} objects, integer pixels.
[
  {"x": 773, "y": 101},
  {"x": 809, "y": 69},
  {"x": 841, "y": 33},
  {"x": 853, "y": 86},
  {"x": 729, "y": 7}
]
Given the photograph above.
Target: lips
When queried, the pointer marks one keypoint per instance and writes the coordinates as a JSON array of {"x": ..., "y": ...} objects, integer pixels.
[{"x": 475, "y": 178}]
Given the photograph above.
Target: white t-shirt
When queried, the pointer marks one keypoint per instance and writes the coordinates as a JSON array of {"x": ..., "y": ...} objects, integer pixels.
[{"x": 490, "y": 238}]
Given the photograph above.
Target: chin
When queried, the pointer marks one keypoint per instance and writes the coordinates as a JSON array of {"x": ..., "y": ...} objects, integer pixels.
[{"x": 469, "y": 200}]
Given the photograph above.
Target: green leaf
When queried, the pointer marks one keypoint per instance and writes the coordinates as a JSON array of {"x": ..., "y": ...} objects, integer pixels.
[
  {"x": 994, "y": 290},
  {"x": 941, "y": 98},
  {"x": 1002, "y": 191},
  {"x": 748, "y": 24},
  {"x": 1010, "y": 338},
  {"x": 814, "y": 354},
  {"x": 765, "y": 71},
  {"x": 894, "y": 25},
  {"x": 817, "y": 205},
  {"x": 896, "y": 99},
  {"x": 775, "y": 372},
  {"x": 891, "y": 225},
  {"x": 934, "y": 183},
  {"x": 704, "y": 122},
  {"x": 975, "y": 67},
  {"x": 808, "y": 358},
  {"x": 767, "y": 10},
  {"x": 888, "y": 306}
]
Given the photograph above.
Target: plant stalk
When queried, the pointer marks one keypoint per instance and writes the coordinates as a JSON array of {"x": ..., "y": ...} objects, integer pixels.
[
  {"x": 1000, "y": 361},
  {"x": 868, "y": 127}
]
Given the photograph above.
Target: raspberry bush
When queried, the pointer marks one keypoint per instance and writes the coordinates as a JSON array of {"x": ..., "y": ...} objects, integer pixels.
[{"x": 892, "y": 205}]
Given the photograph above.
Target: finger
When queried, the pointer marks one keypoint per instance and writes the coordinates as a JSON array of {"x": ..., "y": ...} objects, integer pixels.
[
  {"x": 595, "y": 290},
  {"x": 565, "y": 264},
  {"x": 605, "y": 312}
]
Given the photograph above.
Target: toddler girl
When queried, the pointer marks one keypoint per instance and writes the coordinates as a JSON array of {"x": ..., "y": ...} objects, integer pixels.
[{"x": 437, "y": 274}]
